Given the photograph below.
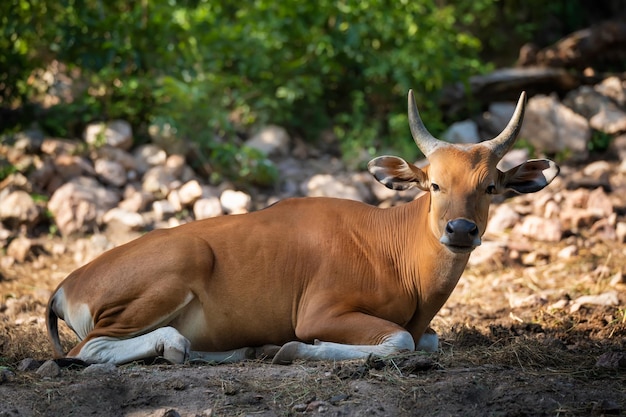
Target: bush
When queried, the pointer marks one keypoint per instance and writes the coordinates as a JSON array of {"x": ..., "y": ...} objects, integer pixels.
[{"x": 218, "y": 68}]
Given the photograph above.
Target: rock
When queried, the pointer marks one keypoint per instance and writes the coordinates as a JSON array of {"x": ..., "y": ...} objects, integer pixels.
[
  {"x": 163, "y": 209},
  {"x": 551, "y": 127},
  {"x": 6, "y": 375},
  {"x": 85, "y": 250},
  {"x": 111, "y": 172},
  {"x": 602, "y": 113},
  {"x": 49, "y": 369},
  {"x": 604, "y": 229},
  {"x": 488, "y": 252},
  {"x": 599, "y": 203},
  {"x": 568, "y": 252},
  {"x": 504, "y": 217},
  {"x": 175, "y": 165},
  {"x": 174, "y": 198},
  {"x": 618, "y": 147},
  {"x": 19, "y": 248},
  {"x": 128, "y": 219},
  {"x": 100, "y": 369},
  {"x": 614, "y": 88},
  {"x": 513, "y": 158},
  {"x": 462, "y": 132},
  {"x": 159, "y": 181},
  {"x": 72, "y": 166},
  {"x": 116, "y": 133},
  {"x": 205, "y": 208},
  {"x": 28, "y": 364},
  {"x": 28, "y": 141},
  {"x": 55, "y": 147},
  {"x": 79, "y": 205},
  {"x": 324, "y": 185},
  {"x": 148, "y": 156},
  {"x": 620, "y": 232},
  {"x": 117, "y": 155},
  {"x": 17, "y": 208},
  {"x": 135, "y": 200},
  {"x": 235, "y": 202},
  {"x": 497, "y": 116},
  {"x": 271, "y": 140},
  {"x": 538, "y": 228},
  {"x": 190, "y": 192},
  {"x": 5, "y": 234},
  {"x": 42, "y": 175}
]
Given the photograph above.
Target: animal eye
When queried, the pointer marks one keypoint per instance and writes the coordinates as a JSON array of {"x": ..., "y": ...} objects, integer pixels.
[
  {"x": 434, "y": 187},
  {"x": 491, "y": 189}
]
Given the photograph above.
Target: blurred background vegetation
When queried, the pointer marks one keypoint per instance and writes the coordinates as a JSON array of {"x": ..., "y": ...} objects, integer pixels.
[{"x": 213, "y": 71}]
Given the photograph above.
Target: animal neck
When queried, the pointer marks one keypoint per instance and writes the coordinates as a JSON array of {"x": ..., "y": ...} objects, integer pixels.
[{"x": 426, "y": 265}]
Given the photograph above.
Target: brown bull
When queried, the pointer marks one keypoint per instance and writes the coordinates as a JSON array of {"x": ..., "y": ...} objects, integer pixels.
[{"x": 325, "y": 278}]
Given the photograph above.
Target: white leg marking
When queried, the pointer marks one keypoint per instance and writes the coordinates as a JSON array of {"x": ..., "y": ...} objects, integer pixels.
[
  {"x": 337, "y": 351},
  {"x": 429, "y": 342},
  {"x": 164, "y": 341}
]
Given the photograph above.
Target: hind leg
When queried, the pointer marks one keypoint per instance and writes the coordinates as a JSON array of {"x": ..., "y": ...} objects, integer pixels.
[{"x": 165, "y": 341}]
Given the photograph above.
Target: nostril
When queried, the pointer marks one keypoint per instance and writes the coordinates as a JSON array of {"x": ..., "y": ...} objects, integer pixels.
[{"x": 462, "y": 226}]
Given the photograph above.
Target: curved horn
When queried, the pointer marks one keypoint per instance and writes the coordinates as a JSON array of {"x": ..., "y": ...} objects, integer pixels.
[
  {"x": 422, "y": 137},
  {"x": 505, "y": 140}
]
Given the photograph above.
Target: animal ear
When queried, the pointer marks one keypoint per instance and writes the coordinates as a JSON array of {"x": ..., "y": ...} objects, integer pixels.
[
  {"x": 397, "y": 174},
  {"x": 529, "y": 177}
]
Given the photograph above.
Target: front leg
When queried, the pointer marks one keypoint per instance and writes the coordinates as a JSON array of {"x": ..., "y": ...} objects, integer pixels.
[
  {"x": 343, "y": 336},
  {"x": 396, "y": 342}
]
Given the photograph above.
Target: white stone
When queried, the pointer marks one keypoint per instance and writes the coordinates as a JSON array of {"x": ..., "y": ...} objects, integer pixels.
[
  {"x": 205, "y": 208},
  {"x": 19, "y": 248},
  {"x": 136, "y": 201},
  {"x": 163, "y": 209},
  {"x": 147, "y": 156},
  {"x": 462, "y": 132},
  {"x": 324, "y": 185},
  {"x": 551, "y": 127},
  {"x": 79, "y": 205},
  {"x": 116, "y": 133},
  {"x": 159, "y": 181},
  {"x": 111, "y": 172},
  {"x": 129, "y": 219},
  {"x": 18, "y": 206},
  {"x": 271, "y": 140},
  {"x": 235, "y": 202},
  {"x": 190, "y": 192},
  {"x": 538, "y": 228},
  {"x": 620, "y": 231},
  {"x": 513, "y": 158},
  {"x": 568, "y": 252},
  {"x": 504, "y": 217}
]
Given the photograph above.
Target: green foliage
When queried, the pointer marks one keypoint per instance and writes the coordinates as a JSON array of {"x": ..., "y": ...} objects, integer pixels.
[
  {"x": 599, "y": 142},
  {"x": 245, "y": 164},
  {"x": 217, "y": 68}
]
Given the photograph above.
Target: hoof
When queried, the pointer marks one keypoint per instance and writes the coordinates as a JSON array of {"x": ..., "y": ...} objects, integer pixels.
[
  {"x": 266, "y": 352},
  {"x": 287, "y": 354}
]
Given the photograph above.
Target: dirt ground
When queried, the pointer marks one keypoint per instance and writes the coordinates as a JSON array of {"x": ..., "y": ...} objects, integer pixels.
[{"x": 513, "y": 343}]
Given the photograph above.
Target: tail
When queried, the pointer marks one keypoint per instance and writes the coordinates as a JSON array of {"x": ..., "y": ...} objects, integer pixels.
[{"x": 52, "y": 324}]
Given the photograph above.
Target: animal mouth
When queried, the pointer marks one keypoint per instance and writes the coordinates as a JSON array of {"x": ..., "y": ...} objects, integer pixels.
[
  {"x": 460, "y": 248},
  {"x": 463, "y": 246}
]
